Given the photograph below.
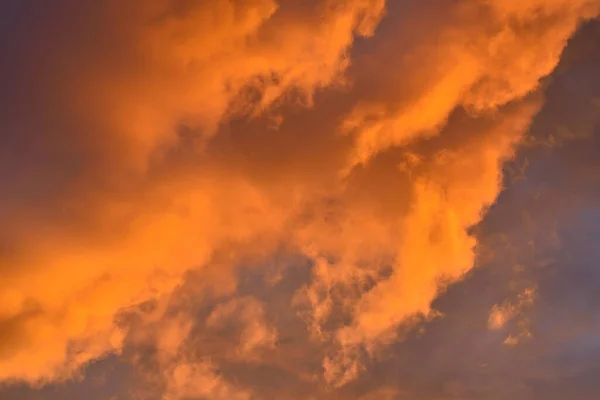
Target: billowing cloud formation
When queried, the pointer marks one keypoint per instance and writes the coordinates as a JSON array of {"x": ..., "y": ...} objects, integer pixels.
[
  {"x": 151, "y": 140},
  {"x": 128, "y": 211}
]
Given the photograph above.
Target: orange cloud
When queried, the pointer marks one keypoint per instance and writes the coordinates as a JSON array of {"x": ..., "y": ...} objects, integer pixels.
[
  {"x": 223, "y": 132},
  {"x": 139, "y": 222}
]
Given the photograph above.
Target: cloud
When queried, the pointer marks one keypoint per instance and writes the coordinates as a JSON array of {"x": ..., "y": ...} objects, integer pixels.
[
  {"x": 503, "y": 313},
  {"x": 121, "y": 221},
  {"x": 256, "y": 333},
  {"x": 179, "y": 136},
  {"x": 485, "y": 89},
  {"x": 199, "y": 380},
  {"x": 190, "y": 349}
]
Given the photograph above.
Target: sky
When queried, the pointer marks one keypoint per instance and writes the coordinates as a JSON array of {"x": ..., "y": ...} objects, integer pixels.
[{"x": 299, "y": 200}]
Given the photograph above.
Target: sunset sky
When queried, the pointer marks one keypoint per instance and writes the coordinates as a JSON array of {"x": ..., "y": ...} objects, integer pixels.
[{"x": 299, "y": 199}]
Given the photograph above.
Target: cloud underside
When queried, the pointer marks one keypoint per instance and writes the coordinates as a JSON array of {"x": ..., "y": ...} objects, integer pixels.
[{"x": 170, "y": 146}]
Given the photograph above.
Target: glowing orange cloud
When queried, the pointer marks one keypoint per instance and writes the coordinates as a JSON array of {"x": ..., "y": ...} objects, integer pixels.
[{"x": 191, "y": 153}]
